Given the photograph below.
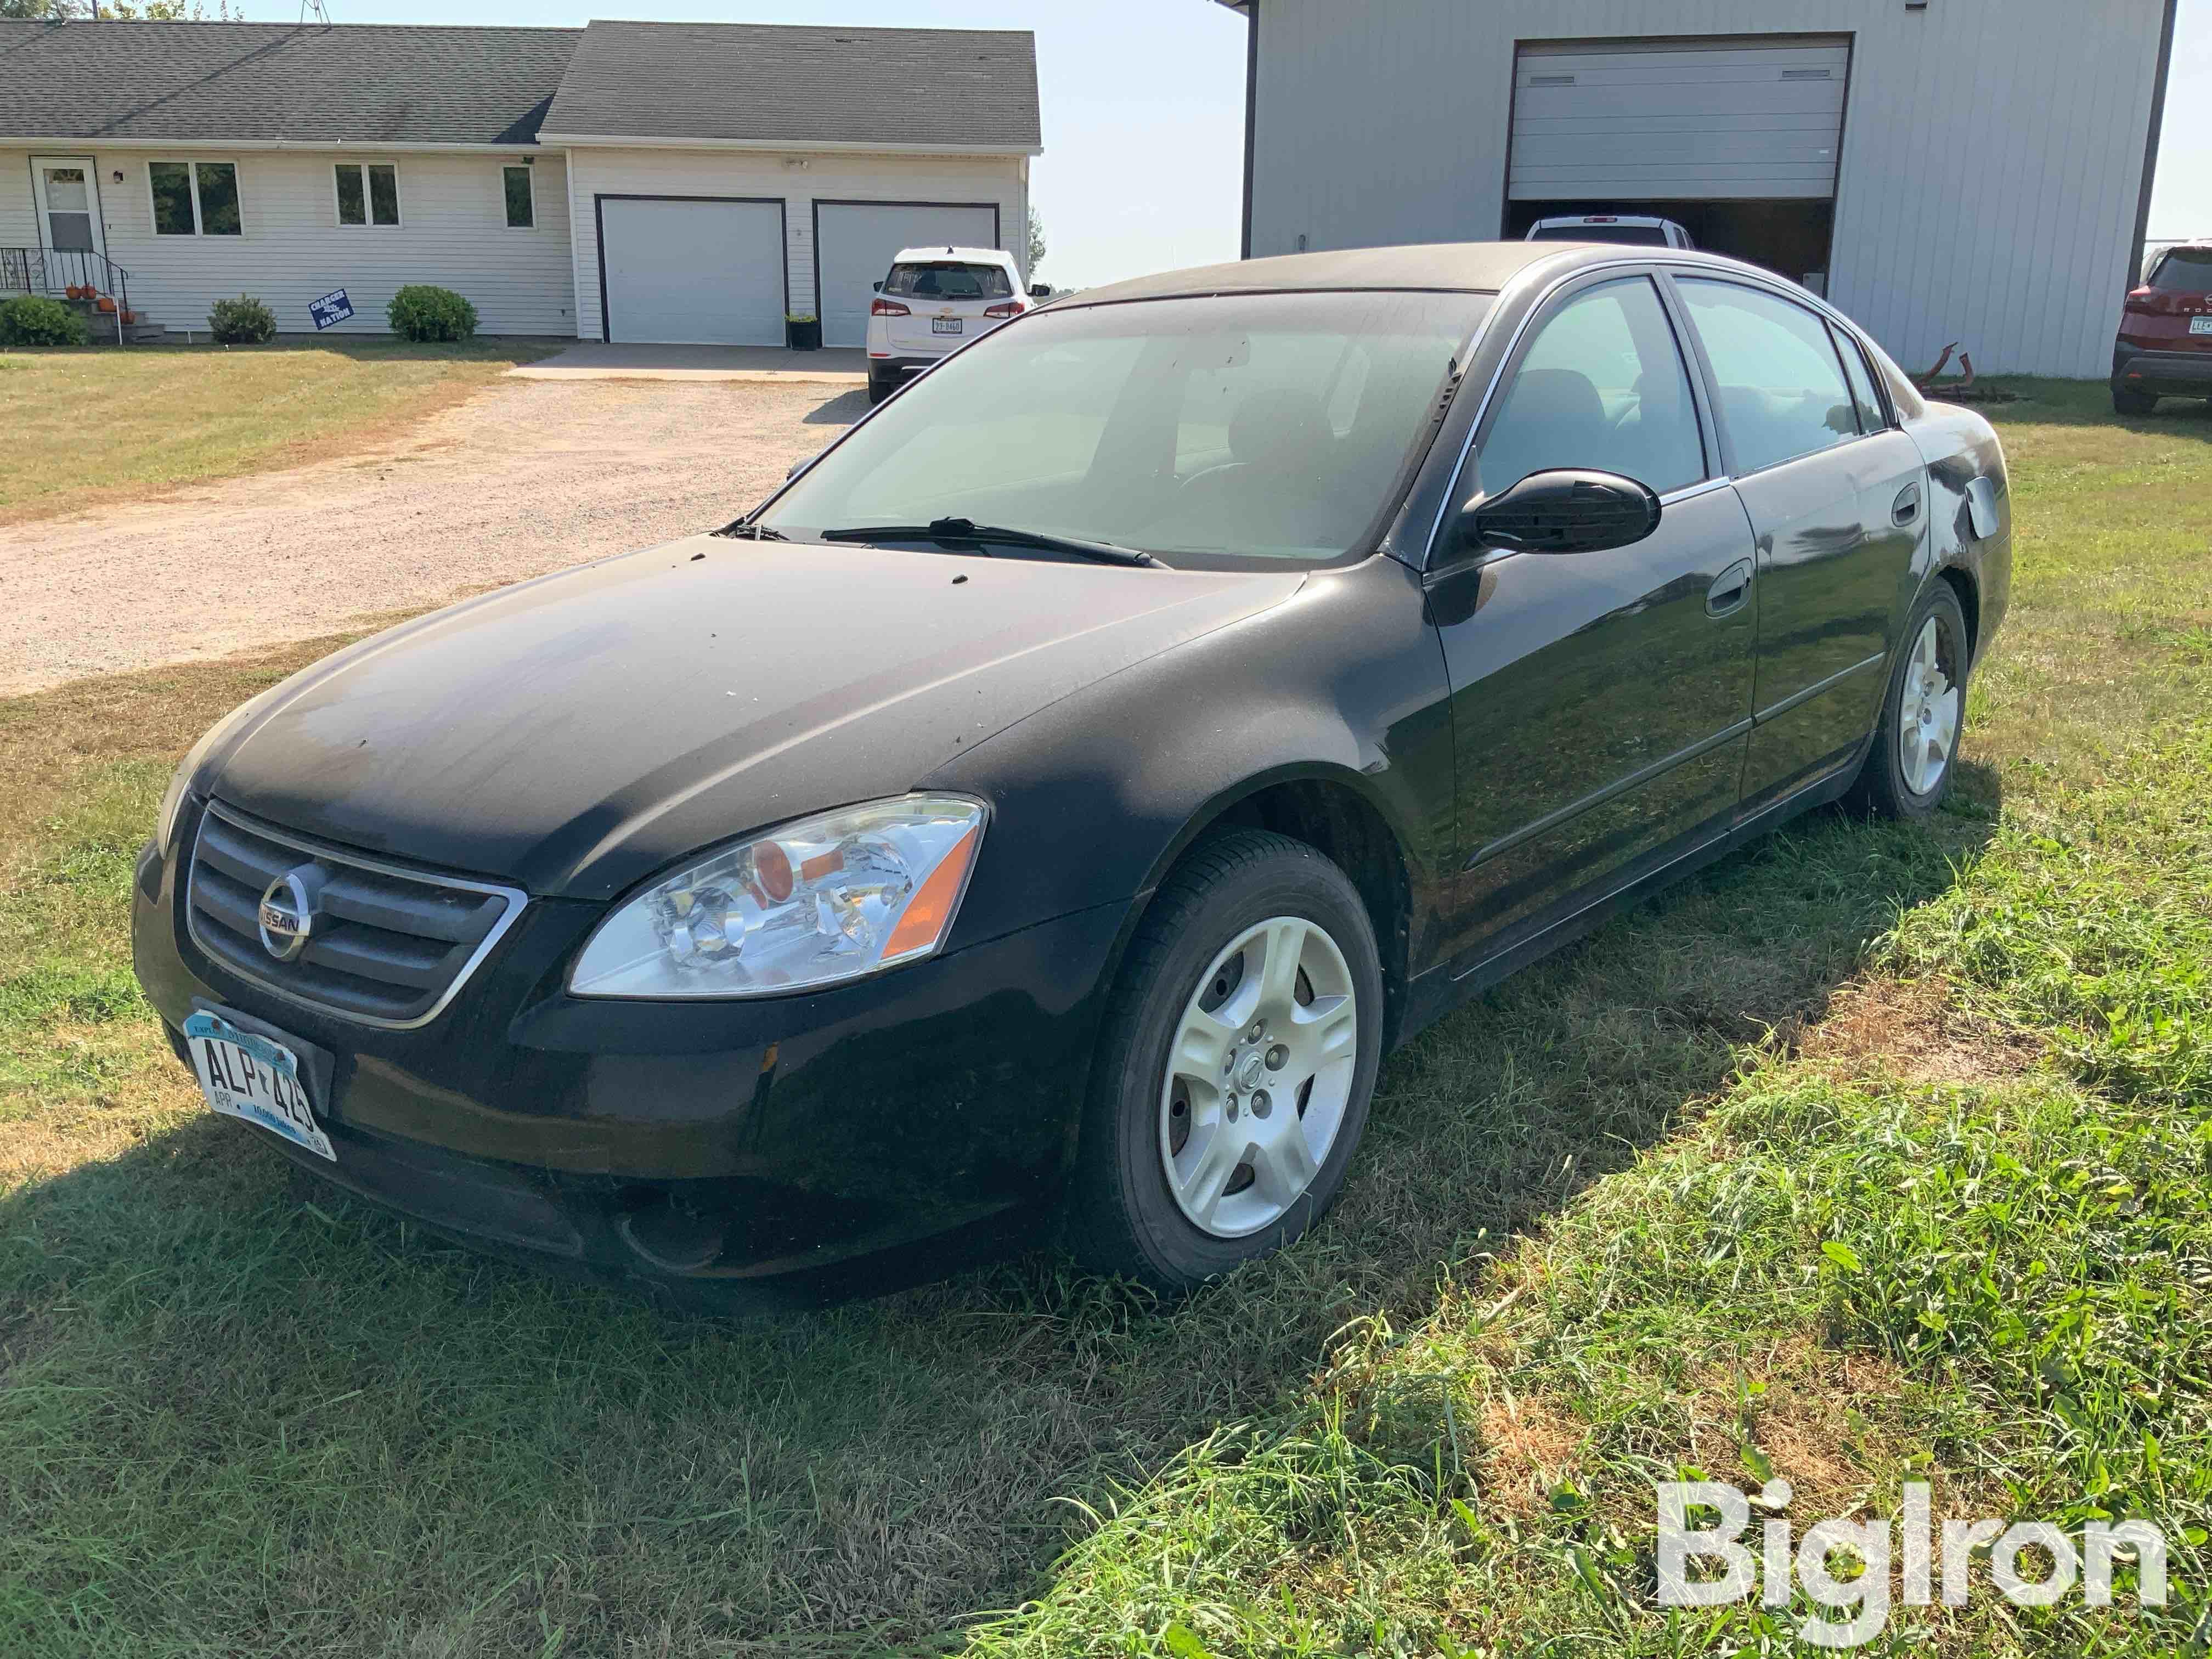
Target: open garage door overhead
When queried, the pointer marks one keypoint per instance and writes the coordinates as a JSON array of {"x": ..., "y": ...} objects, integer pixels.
[
  {"x": 690, "y": 270},
  {"x": 855, "y": 241},
  {"x": 1694, "y": 120}
]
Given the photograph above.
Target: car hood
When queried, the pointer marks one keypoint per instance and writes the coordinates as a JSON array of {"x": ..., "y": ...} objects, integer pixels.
[{"x": 576, "y": 734}]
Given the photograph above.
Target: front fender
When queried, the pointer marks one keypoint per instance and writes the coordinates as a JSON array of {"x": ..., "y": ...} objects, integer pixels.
[{"x": 1094, "y": 797}]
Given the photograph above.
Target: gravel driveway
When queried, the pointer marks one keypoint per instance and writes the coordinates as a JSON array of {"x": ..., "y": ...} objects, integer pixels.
[{"x": 527, "y": 477}]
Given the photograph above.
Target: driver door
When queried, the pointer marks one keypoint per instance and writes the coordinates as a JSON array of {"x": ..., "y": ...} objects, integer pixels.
[{"x": 1600, "y": 701}]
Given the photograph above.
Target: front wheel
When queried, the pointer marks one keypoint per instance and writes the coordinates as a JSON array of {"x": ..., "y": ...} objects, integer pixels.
[
  {"x": 1237, "y": 1066},
  {"x": 1916, "y": 742}
]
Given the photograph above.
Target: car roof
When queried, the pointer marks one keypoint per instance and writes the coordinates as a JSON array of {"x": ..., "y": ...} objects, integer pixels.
[
  {"x": 1476, "y": 267},
  {"x": 914, "y": 256},
  {"x": 1603, "y": 218}
]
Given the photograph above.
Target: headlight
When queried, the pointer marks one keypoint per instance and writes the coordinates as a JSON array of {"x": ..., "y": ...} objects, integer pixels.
[{"x": 827, "y": 898}]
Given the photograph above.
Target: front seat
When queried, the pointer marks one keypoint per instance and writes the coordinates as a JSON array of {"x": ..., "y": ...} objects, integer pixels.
[
  {"x": 1282, "y": 461},
  {"x": 1552, "y": 417}
]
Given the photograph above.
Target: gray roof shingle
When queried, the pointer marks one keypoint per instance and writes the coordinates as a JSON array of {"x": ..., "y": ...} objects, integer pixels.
[
  {"x": 312, "y": 83},
  {"x": 787, "y": 84}
]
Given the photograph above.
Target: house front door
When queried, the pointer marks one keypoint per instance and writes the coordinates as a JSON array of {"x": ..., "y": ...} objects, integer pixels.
[{"x": 66, "y": 188}]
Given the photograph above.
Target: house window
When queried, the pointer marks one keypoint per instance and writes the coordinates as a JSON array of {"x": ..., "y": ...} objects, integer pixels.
[
  {"x": 368, "y": 193},
  {"x": 195, "y": 198},
  {"x": 521, "y": 204}
]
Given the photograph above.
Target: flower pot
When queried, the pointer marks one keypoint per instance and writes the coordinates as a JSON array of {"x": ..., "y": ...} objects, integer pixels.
[{"x": 803, "y": 333}]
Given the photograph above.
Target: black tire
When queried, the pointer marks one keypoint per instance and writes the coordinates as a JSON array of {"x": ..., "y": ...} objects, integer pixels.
[
  {"x": 1123, "y": 1217},
  {"x": 2133, "y": 403},
  {"x": 879, "y": 389},
  {"x": 1884, "y": 788}
]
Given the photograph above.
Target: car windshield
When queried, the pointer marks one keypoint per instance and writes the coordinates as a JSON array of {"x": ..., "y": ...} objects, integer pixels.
[
  {"x": 1215, "y": 433},
  {"x": 949, "y": 280},
  {"x": 1633, "y": 235},
  {"x": 2184, "y": 270}
]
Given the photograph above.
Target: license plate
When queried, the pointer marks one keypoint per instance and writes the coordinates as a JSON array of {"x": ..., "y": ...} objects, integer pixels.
[
  {"x": 946, "y": 326},
  {"x": 244, "y": 1075},
  {"x": 2200, "y": 324}
]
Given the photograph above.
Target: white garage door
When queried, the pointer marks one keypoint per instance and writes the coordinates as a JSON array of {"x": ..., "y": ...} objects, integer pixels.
[
  {"x": 688, "y": 272},
  {"x": 855, "y": 242},
  {"x": 1678, "y": 121}
]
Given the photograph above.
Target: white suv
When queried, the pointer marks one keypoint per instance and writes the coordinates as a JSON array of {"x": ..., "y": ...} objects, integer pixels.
[
  {"x": 935, "y": 301},
  {"x": 1629, "y": 228}
]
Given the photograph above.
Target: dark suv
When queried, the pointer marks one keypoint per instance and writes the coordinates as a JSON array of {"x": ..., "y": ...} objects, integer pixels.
[{"x": 2165, "y": 345}]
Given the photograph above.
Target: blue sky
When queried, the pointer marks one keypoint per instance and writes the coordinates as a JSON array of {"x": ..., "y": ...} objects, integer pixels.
[{"x": 1144, "y": 121}]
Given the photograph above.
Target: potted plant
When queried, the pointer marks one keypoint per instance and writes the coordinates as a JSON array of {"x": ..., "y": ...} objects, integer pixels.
[{"x": 802, "y": 333}]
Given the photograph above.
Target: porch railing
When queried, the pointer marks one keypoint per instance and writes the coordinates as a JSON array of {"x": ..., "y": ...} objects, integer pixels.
[{"x": 54, "y": 271}]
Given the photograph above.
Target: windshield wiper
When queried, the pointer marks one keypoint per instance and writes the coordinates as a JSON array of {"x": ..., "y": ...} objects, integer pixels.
[
  {"x": 746, "y": 532},
  {"x": 967, "y": 530}
]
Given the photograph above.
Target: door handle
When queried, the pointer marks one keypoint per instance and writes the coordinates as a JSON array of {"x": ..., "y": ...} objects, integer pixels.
[
  {"x": 1730, "y": 589},
  {"x": 1906, "y": 508}
]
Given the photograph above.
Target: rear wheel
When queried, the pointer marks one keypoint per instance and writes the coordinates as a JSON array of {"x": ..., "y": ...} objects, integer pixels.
[
  {"x": 1236, "y": 1068},
  {"x": 1908, "y": 770},
  {"x": 2133, "y": 403},
  {"x": 879, "y": 388}
]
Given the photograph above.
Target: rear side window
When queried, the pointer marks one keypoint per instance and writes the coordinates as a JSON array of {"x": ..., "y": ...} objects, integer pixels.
[
  {"x": 1781, "y": 389},
  {"x": 950, "y": 280},
  {"x": 1603, "y": 385},
  {"x": 2183, "y": 271},
  {"x": 1871, "y": 418}
]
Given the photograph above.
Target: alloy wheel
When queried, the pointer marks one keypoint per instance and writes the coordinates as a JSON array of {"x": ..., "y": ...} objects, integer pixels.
[
  {"x": 1928, "y": 711},
  {"x": 1258, "y": 1076}
]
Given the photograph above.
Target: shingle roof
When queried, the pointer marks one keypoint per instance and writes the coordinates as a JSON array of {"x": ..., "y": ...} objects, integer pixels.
[
  {"x": 352, "y": 83},
  {"x": 781, "y": 83}
]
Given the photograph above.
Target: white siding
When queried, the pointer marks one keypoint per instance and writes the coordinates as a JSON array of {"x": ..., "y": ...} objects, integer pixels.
[
  {"x": 453, "y": 231},
  {"x": 595, "y": 171},
  {"x": 1992, "y": 150}
]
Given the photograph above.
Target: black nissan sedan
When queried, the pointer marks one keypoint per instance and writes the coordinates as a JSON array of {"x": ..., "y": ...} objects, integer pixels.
[{"x": 1048, "y": 807}]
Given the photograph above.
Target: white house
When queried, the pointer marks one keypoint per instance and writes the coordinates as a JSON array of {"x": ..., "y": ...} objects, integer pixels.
[
  {"x": 1969, "y": 170},
  {"x": 639, "y": 182}
]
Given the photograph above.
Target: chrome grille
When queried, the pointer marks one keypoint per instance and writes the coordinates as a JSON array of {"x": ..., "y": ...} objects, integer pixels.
[{"x": 390, "y": 947}]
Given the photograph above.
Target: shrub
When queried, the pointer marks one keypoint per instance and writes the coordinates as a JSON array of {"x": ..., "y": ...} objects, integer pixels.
[
  {"x": 421, "y": 313},
  {"x": 242, "y": 321},
  {"x": 30, "y": 321}
]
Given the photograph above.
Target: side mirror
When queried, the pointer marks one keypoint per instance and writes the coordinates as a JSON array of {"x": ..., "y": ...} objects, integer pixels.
[
  {"x": 880, "y": 288},
  {"x": 1567, "y": 510},
  {"x": 1040, "y": 290}
]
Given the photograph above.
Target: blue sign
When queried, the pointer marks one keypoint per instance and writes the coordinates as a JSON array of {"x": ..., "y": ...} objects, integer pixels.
[{"x": 330, "y": 309}]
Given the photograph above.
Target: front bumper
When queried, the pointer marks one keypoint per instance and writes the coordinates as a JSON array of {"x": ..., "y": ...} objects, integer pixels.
[
  {"x": 2163, "y": 374},
  {"x": 794, "y": 1147}
]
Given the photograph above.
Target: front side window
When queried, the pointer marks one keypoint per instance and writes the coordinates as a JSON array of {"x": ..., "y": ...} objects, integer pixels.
[
  {"x": 1218, "y": 433},
  {"x": 949, "y": 280},
  {"x": 195, "y": 198},
  {"x": 2183, "y": 271},
  {"x": 1603, "y": 386},
  {"x": 368, "y": 193},
  {"x": 521, "y": 204},
  {"x": 1781, "y": 388}
]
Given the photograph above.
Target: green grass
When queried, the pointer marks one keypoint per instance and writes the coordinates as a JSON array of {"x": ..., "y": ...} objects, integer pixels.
[
  {"x": 90, "y": 427},
  {"x": 1870, "y": 1155}
]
